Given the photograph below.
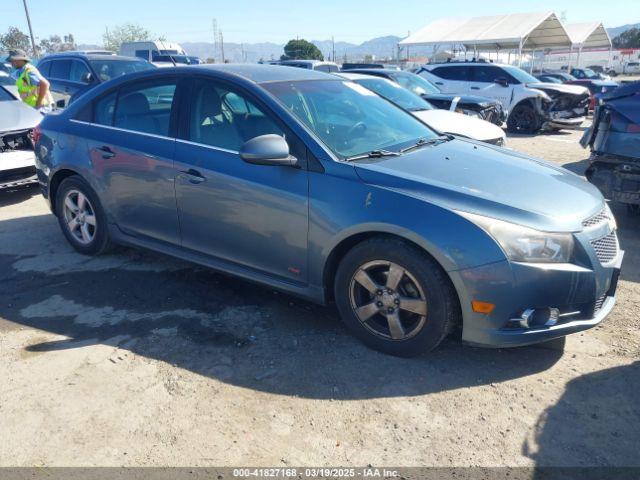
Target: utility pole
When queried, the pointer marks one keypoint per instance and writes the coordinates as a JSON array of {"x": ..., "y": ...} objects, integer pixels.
[
  {"x": 215, "y": 38},
  {"x": 333, "y": 49},
  {"x": 33, "y": 39},
  {"x": 222, "y": 46}
]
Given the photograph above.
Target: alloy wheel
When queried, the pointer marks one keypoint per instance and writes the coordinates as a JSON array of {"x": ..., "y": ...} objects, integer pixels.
[
  {"x": 79, "y": 216},
  {"x": 388, "y": 301}
]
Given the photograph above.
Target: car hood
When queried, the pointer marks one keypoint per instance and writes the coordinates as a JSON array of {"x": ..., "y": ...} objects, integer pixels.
[
  {"x": 16, "y": 115},
  {"x": 460, "y": 124},
  {"x": 559, "y": 88},
  {"x": 483, "y": 102},
  {"x": 491, "y": 181}
]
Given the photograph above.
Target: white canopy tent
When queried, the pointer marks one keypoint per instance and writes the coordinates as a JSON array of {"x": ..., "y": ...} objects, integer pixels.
[
  {"x": 515, "y": 32},
  {"x": 589, "y": 35}
]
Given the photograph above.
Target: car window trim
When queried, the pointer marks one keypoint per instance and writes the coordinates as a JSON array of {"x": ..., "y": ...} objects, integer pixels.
[{"x": 119, "y": 129}]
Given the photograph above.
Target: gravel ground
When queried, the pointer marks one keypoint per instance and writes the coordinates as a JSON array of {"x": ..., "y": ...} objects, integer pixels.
[{"x": 139, "y": 359}]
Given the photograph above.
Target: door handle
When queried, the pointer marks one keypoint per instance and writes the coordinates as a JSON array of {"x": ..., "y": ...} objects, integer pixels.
[
  {"x": 193, "y": 176},
  {"x": 475, "y": 88},
  {"x": 438, "y": 83},
  {"x": 106, "y": 152}
]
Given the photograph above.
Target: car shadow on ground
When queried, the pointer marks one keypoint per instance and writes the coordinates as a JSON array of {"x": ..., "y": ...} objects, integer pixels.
[
  {"x": 11, "y": 196},
  {"x": 221, "y": 327},
  {"x": 596, "y": 422}
]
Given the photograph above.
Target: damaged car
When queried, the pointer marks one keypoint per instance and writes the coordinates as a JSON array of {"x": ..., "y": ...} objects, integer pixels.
[
  {"x": 614, "y": 139},
  {"x": 17, "y": 121},
  {"x": 532, "y": 105},
  {"x": 482, "y": 108}
]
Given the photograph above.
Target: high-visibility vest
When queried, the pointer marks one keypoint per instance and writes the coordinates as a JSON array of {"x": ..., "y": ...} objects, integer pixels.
[{"x": 29, "y": 93}]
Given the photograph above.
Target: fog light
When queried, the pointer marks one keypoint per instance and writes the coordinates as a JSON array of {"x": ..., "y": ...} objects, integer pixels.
[{"x": 536, "y": 317}]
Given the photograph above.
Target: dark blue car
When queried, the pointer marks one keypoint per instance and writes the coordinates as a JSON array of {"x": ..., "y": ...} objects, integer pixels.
[{"x": 316, "y": 186}]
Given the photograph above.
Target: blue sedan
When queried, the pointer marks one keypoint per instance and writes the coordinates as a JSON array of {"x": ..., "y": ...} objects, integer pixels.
[{"x": 314, "y": 185}]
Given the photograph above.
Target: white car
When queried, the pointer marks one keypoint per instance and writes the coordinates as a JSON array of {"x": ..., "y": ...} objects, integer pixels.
[
  {"x": 531, "y": 105},
  {"x": 444, "y": 121},
  {"x": 17, "y": 120}
]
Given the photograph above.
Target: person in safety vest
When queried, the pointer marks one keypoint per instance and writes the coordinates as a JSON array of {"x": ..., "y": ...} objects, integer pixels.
[{"x": 32, "y": 86}]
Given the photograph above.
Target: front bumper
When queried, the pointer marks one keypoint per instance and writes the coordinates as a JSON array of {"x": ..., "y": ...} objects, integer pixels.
[
  {"x": 582, "y": 296},
  {"x": 565, "y": 123}
]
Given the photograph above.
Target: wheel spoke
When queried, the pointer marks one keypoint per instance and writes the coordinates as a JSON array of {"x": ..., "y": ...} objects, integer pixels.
[
  {"x": 395, "y": 326},
  {"x": 366, "y": 281},
  {"x": 81, "y": 201},
  {"x": 72, "y": 224},
  {"x": 84, "y": 230},
  {"x": 90, "y": 219},
  {"x": 396, "y": 273},
  {"x": 367, "y": 311},
  {"x": 413, "y": 305},
  {"x": 70, "y": 205}
]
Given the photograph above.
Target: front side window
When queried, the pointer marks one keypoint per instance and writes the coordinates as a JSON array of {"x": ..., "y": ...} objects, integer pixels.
[
  {"x": 78, "y": 72},
  {"x": 226, "y": 119},
  {"x": 349, "y": 119},
  {"x": 44, "y": 68},
  {"x": 142, "y": 54},
  {"x": 145, "y": 109},
  {"x": 486, "y": 74},
  {"x": 104, "y": 108}
]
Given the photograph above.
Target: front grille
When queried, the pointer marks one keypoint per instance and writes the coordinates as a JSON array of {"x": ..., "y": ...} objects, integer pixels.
[
  {"x": 606, "y": 248},
  {"x": 598, "y": 218},
  {"x": 599, "y": 303}
]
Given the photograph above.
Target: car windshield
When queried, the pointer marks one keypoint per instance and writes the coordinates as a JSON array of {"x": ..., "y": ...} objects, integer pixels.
[
  {"x": 349, "y": 119},
  {"x": 172, "y": 58},
  {"x": 395, "y": 93},
  {"x": 415, "y": 83},
  {"x": 6, "y": 79},
  {"x": 520, "y": 75},
  {"x": 588, "y": 73},
  {"x": 5, "y": 96},
  {"x": 108, "y": 69}
]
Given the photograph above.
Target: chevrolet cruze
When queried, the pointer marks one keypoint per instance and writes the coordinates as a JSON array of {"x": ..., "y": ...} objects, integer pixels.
[{"x": 314, "y": 185}]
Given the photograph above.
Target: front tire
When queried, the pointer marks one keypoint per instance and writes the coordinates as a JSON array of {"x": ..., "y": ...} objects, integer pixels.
[
  {"x": 81, "y": 217},
  {"x": 394, "y": 297},
  {"x": 523, "y": 119}
]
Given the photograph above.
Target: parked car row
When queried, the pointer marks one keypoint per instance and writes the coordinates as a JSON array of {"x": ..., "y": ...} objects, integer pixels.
[{"x": 310, "y": 183}]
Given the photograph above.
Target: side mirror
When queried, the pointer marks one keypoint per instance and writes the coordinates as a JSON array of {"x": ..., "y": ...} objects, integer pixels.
[
  {"x": 268, "y": 150},
  {"x": 86, "y": 78},
  {"x": 502, "y": 81}
]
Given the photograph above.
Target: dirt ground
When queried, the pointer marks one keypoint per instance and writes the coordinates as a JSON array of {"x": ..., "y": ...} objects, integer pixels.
[{"x": 139, "y": 359}]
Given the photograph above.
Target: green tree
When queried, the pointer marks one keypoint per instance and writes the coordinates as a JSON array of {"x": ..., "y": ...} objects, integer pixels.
[
  {"x": 15, "y": 39},
  {"x": 301, "y": 50},
  {"x": 628, "y": 39},
  {"x": 55, "y": 44},
  {"x": 128, "y": 32}
]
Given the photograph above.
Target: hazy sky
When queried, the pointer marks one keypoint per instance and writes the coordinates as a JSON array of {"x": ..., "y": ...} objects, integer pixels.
[{"x": 277, "y": 21}]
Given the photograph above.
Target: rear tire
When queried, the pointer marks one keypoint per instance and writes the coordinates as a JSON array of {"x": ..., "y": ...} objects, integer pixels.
[
  {"x": 523, "y": 119},
  {"x": 394, "y": 297},
  {"x": 81, "y": 217}
]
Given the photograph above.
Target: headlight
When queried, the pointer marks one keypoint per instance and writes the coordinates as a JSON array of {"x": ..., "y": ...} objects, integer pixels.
[
  {"x": 522, "y": 244},
  {"x": 471, "y": 113}
]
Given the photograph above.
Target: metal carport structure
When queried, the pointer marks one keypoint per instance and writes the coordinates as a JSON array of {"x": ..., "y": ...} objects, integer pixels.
[
  {"x": 514, "y": 32},
  {"x": 589, "y": 35}
]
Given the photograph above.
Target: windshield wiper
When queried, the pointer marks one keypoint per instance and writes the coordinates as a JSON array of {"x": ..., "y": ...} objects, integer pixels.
[
  {"x": 423, "y": 141},
  {"x": 373, "y": 154}
]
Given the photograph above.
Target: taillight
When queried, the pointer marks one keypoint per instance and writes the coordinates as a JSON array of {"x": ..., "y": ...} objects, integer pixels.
[
  {"x": 633, "y": 128},
  {"x": 36, "y": 133}
]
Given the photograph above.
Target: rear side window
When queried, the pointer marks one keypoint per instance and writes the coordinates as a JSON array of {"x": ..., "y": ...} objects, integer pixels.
[
  {"x": 146, "y": 108},
  {"x": 142, "y": 54},
  {"x": 460, "y": 73},
  {"x": 104, "y": 109},
  {"x": 327, "y": 68},
  {"x": 60, "y": 69}
]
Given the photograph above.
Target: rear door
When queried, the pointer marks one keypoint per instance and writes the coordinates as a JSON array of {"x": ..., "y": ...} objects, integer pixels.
[
  {"x": 452, "y": 78},
  {"x": 131, "y": 143},
  {"x": 250, "y": 215},
  {"x": 483, "y": 82}
]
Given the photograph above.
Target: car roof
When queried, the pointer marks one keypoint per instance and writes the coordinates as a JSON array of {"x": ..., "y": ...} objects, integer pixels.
[
  {"x": 88, "y": 56},
  {"x": 355, "y": 76},
  {"x": 261, "y": 73}
]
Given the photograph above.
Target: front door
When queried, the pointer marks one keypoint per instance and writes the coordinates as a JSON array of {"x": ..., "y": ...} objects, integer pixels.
[
  {"x": 132, "y": 148},
  {"x": 251, "y": 215},
  {"x": 483, "y": 82}
]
